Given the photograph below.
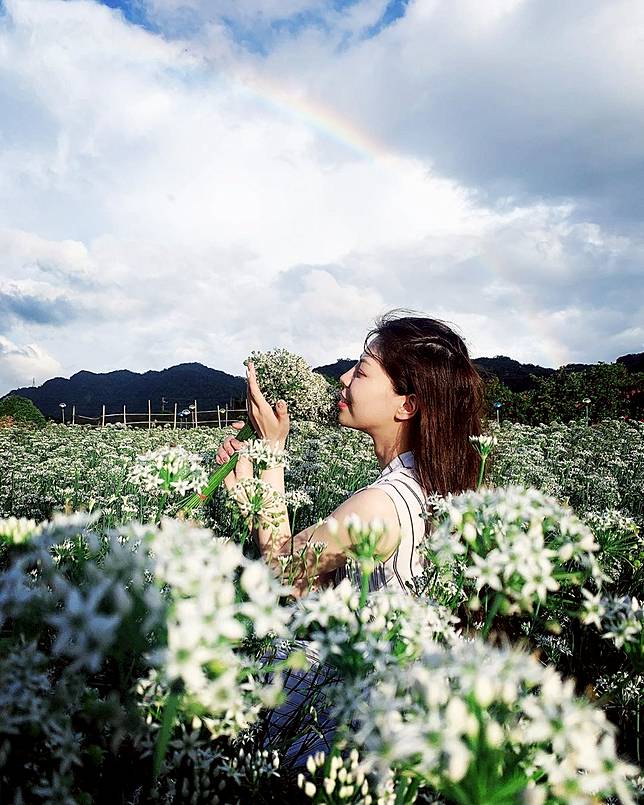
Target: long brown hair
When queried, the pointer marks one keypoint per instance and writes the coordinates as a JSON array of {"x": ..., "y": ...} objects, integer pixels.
[{"x": 426, "y": 357}]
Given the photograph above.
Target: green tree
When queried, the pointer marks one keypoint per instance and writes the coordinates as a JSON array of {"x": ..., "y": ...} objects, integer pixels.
[
  {"x": 612, "y": 390},
  {"x": 513, "y": 404},
  {"x": 21, "y": 410}
]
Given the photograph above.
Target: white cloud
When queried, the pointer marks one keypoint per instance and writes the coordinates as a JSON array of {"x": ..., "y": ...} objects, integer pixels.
[
  {"x": 20, "y": 365},
  {"x": 516, "y": 98},
  {"x": 192, "y": 202}
]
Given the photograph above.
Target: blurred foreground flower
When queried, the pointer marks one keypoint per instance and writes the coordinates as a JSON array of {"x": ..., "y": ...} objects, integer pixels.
[
  {"x": 467, "y": 707},
  {"x": 14, "y": 530},
  {"x": 210, "y": 617}
]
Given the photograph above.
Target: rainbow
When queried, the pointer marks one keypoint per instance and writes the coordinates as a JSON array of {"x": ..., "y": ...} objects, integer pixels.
[
  {"x": 317, "y": 116},
  {"x": 331, "y": 124}
]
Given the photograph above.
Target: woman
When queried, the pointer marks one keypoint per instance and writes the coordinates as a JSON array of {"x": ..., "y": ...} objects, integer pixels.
[{"x": 416, "y": 392}]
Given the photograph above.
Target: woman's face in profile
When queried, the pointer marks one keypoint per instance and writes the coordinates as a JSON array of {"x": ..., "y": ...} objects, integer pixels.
[{"x": 369, "y": 395}]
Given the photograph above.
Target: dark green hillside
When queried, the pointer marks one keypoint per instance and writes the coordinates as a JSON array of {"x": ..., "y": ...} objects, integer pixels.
[{"x": 182, "y": 384}]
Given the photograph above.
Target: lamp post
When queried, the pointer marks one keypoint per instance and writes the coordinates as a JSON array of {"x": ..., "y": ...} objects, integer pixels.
[
  {"x": 62, "y": 407},
  {"x": 586, "y": 402},
  {"x": 191, "y": 408},
  {"x": 498, "y": 405}
]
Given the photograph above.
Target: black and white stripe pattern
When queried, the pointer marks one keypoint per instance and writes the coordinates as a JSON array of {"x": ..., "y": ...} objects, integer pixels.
[{"x": 398, "y": 480}]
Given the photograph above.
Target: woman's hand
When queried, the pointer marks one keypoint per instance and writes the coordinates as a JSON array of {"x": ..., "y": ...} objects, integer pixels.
[
  {"x": 268, "y": 424},
  {"x": 271, "y": 425},
  {"x": 244, "y": 466}
]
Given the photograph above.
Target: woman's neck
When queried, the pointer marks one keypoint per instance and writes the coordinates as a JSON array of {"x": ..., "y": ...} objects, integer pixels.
[{"x": 386, "y": 449}]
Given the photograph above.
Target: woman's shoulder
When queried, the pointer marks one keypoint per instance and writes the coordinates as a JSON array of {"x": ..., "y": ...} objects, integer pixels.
[
  {"x": 405, "y": 481},
  {"x": 368, "y": 502},
  {"x": 371, "y": 503}
]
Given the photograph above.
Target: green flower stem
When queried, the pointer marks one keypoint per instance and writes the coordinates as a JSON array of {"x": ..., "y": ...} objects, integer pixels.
[
  {"x": 196, "y": 499},
  {"x": 169, "y": 714},
  {"x": 364, "y": 588},
  {"x": 481, "y": 471},
  {"x": 162, "y": 501},
  {"x": 407, "y": 789},
  {"x": 496, "y": 603}
]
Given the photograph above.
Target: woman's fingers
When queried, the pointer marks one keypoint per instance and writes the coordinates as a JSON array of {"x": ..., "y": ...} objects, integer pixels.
[
  {"x": 243, "y": 469},
  {"x": 228, "y": 448},
  {"x": 255, "y": 395},
  {"x": 260, "y": 412},
  {"x": 251, "y": 378}
]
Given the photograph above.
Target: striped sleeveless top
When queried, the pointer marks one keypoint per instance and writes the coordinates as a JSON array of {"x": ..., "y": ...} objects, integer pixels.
[{"x": 398, "y": 480}]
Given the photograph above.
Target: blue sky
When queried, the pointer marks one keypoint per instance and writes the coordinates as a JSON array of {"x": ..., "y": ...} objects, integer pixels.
[
  {"x": 259, "y": 35},
  {"x": 134, "y": 12},
  {"x": 189, "y": 180}
]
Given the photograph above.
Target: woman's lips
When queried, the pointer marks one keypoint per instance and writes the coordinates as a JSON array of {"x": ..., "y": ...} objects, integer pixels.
[{"x": 342, "y": 404}]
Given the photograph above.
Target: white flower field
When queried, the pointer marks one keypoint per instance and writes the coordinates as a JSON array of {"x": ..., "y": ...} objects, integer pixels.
[{"x": 146, "y": 656}]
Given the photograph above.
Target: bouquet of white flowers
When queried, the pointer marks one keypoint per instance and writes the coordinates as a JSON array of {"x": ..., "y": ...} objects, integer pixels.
[{"x": 282, "y": 376}]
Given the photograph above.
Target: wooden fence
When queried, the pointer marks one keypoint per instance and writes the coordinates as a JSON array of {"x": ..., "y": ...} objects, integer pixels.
[{"x": 188, "y": 417}]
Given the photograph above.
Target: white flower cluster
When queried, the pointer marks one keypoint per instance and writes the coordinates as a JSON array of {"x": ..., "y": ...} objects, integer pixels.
[
  {"x": 296, "y": 498},
  {"x": 468, "y": 704},
  {"x": 42, "y": 471},
  {"x": 197, "y": 769},
  {"x": 18, "y": 529},
  {"x": 483, "y": 444},
  {"x": 620, "y": 619},
  {"x": 208, "y": 622},
  {"x": 594, "y": 468},
  {"x": 611, "y": 520},
  {"x": 345, "y": 779},
  {"x": 264, "y": 454},
  {"x": 283, "y": 375},
  {"x": 168, "y": 470},
  {"x": 364, "y": 551},
  {"x": 86, "y": 614},
  {"x": 391, "y": 627},
  {"x": 259, "y": 503},
  {"x": 514, "y": 540}
]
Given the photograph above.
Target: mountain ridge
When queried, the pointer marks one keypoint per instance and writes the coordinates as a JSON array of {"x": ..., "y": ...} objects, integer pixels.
[{"x": 212, "y": 388}]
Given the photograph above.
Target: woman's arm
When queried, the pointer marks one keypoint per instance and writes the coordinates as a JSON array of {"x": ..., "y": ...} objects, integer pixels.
[
  {"x": 272, "y": 542},
  {"x": 367, "y": 504}
]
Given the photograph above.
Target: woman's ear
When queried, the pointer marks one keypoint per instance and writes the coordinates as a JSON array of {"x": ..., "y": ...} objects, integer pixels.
[{"x": 410, "y": 405}]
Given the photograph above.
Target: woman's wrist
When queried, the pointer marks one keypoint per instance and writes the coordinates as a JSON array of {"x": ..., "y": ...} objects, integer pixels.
[{"x": 272, "y": 474}]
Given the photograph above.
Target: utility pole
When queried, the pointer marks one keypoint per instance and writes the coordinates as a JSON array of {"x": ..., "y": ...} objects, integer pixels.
[{"x": 163, "y": 402}]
